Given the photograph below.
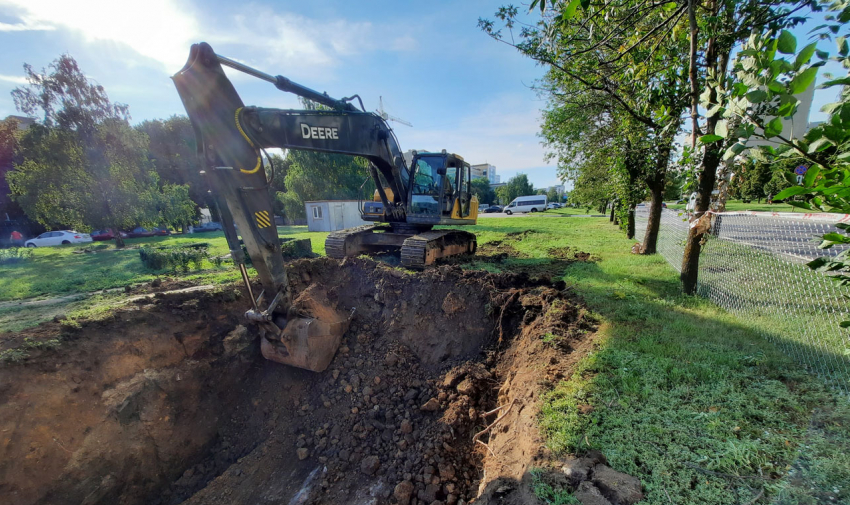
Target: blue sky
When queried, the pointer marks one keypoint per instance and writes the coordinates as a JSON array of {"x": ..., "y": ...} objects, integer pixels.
[{"x": 461, "y": 90}]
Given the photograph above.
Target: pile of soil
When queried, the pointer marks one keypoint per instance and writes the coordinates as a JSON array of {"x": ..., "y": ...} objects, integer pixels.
[{"x": 432, "y": 396}]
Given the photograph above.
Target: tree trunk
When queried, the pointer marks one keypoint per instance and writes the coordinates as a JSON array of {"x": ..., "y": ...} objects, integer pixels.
[
  {"x": 650, "y": 240},
  {"x": 655, "y": 183},
  {"x": 613, "y": 206},
  {"x": 119, "y": 241},
  {"x": 690, "y": 259},
  {"x": 630, "y": 226},
  {"x": 707, "y": 177}
]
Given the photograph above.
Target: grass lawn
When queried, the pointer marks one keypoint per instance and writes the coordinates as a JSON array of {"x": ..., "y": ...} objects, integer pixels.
[
  {"x": 570, "y": 211},
  {"x": 679, "y": 393},
  {"x": 62, "y": 271}
]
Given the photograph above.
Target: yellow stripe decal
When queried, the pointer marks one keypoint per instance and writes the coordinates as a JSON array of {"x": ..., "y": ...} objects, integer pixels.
[
  {"x": 263, "y": 220},
  {"x": 239, "y": 127}
]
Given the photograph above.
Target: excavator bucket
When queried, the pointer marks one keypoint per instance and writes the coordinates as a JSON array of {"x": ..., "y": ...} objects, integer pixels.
[{"x": 311, "y": 339}]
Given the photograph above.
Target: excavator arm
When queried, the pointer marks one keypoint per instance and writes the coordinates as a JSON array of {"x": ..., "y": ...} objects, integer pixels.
[
  {"x": 353, "y": 133},
  {"x": 230, "y": 138}
]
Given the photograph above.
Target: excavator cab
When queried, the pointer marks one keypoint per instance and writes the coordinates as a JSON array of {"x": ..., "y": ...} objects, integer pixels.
[{"x": 440, "y": 189}]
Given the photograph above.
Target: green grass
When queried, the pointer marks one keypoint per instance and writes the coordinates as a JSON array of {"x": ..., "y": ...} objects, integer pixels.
[
  {"x": 55, "y": 271},
  {"x": 63, "y": 272},
  {"x": 570, "y": 211},
  {"x": 685, "y": 396}
]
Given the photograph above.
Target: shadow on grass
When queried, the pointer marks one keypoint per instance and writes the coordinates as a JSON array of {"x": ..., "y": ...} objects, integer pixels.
[{"x": 692, "y": 400}]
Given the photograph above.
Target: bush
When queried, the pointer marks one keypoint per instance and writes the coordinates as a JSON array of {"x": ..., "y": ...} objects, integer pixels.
[
  {"x": 177, "y": 258},
  {"x": 15, "y": 255}
]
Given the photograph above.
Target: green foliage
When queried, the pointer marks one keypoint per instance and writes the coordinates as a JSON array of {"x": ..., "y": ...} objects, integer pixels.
[
  {"x": 15, "y": 255},
  {"x": 547, "y": 493},
  {"x": 825, "y": 149},
  {"x": 322, "y": 176},
  {"x": 22, "y": 352},
  {"x": 516, "y": 186},
  {"x": 481, "y": 188},
  {"x": 83, "y": 167},
  {"x": 175, "y": 207},
  {"x": 9, "y": 138},
  {"x": 751, "y": 180},
  {"x": 176, "y": 258},
  {"x": 173, "y": 152}
]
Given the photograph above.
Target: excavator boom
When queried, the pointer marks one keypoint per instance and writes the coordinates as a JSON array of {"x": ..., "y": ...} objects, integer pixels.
[{"x": 433, "y": 190}]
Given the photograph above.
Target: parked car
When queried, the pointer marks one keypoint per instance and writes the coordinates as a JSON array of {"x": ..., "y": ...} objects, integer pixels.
[
  {"x": 161, "y": 232},
  {"x": 140, "y": 232},
  {"x": 105, "y": 234},
  {"x": 211, "y": 226},
  {"x": 493, "y": 208},
  {"x": 58, "y": 238},
  {"x": 553, "y": 205}
]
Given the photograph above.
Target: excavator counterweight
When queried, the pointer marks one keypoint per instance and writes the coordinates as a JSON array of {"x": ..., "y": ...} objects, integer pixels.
[{"x": 410, "y": 198}]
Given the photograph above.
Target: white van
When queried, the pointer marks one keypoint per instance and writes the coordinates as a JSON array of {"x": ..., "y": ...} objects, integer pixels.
[{"x": 533, "y": 203}]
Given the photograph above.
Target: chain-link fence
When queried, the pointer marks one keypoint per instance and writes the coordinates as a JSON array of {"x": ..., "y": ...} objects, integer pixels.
[{"x": 753, "y": 265}]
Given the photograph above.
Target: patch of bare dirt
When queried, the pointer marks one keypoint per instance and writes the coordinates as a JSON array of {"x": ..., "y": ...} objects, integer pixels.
[
  {"x": 570, "y": 253},
  {"x": 497, "y": 251},
  {"x": 432, "y": 397}
]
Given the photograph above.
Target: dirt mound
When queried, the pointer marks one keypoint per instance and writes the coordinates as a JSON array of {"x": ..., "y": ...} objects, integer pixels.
[{"x": 431, "y": 396}]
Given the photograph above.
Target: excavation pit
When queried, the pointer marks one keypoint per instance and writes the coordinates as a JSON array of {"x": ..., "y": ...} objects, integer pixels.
[{"x": 432, "y": 395}]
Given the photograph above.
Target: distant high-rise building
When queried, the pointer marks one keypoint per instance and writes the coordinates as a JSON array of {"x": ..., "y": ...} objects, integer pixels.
[{"x": 486, "y": 171}]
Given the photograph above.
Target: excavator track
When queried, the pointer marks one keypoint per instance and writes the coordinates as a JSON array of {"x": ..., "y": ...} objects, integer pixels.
[
  {"x": 425, "y": 248},
  {"x": 340, "y": 244}
]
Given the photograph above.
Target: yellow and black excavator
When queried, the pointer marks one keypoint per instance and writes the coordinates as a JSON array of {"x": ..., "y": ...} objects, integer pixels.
[{"x": 434, "y": 189}]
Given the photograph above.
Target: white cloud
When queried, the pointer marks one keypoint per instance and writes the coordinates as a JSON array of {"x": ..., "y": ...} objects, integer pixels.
[
  {"x": 163, "y": 30},
  {"x": 14, "y": 79},
  {"x": 280, "y": 41},
  {"x": 26, "y": 25},
  {"x": 502, "y": 132}
]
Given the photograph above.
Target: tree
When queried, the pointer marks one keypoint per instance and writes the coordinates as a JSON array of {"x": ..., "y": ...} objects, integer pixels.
[
  {"x": 552, "y": 195},
  {"x": 481, "y": 188},
  {"x": 517, "y": 185},
  {"x": 323, "y": 176},
  {"x": 104, "y": 181},
  {"x": 761, "y": 94},
  {"x": 175, "y": 207},
  {"x": 173, "y": 151},
  {"x": 84, "y": 166},
  {"x": 751, "y": 180},
  {"x": 9, "y": 138},
  {"x": 626, "y": 55},
  {"x": 716, "y": 27}
]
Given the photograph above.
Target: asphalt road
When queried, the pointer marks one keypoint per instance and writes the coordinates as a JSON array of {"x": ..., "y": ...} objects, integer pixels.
[{"x": 794, "y": 238}]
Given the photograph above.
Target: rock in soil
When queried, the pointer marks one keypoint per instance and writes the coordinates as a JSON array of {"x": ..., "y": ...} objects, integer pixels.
[
  {"x": 403, "y": 491},
  {"x": 618, "y": 487},
  {"x": 588, "y": 494},
  {"x": 370, "y": 465}
]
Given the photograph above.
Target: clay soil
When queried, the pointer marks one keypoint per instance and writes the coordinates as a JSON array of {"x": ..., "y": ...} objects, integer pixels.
[{"x": 433, "y": 396}]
